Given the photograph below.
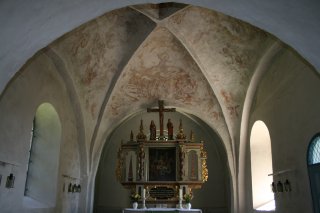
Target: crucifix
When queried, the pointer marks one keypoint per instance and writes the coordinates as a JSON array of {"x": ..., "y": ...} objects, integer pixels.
[{"x": 161, "y": 110}]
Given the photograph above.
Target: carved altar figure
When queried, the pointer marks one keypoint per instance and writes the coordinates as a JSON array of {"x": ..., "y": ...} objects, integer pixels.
[
  {"x": 181, "y": 135},
  {"x": 153, "y": 131},
  {"x": 141, "y": 162},
  {"x": 191, "y": 136},
  {"x": 131, "y": 136},
  {"x": 141, "y": 136},
  {"x": 181, "y": 156},
  {"x": 170, "y": 129}
]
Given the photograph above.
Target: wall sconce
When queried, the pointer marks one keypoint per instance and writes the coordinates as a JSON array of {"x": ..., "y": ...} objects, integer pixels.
[
  {"x": 279, "y": 186},
  {"x": 273, "y": 187},
  {"x": 287, "y": 186},
  {"x": 70, "y": 187},
  {"x": 10, "y": 181},
  {"x": 74, "y": 188}
]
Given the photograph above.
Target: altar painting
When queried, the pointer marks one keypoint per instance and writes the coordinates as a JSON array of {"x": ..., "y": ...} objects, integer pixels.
[{"x": 162, "y": 164}]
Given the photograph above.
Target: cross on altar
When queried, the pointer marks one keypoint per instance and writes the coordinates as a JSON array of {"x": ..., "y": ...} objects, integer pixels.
[{"x": 161, "y": 110}]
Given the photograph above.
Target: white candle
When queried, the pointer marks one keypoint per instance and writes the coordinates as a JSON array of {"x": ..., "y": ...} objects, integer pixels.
[
  {"x": 180, "y": 194},
  {"x": 144, "y": 193}
]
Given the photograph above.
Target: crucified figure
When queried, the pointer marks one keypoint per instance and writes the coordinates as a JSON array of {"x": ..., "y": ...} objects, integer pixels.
[{"x": 161, "y": 110}]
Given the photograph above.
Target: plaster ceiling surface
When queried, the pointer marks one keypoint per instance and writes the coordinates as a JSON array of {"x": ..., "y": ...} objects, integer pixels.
[
  {"x": 226, "y": 49},
  {"x": 96, "y": 52},
  {"x": 29, "y": 26},
  {"x": 163, "y": 69},
  {"x": 195, "y": 59}
]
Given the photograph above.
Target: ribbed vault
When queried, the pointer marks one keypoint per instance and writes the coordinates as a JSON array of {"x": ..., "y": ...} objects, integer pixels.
[
  {"x": 196, "y": 59},
  {"x": 129, "y": 58}
]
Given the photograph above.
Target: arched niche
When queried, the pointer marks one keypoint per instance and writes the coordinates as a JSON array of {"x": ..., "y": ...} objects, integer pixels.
[{"x": 204, "y": 198}]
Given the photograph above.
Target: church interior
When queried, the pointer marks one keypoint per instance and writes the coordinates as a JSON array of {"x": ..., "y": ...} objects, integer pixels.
[{"x": 87, "y": 89}]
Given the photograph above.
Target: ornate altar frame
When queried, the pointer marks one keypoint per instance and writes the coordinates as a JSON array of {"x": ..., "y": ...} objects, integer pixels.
[{"x": 162, "y": 169}]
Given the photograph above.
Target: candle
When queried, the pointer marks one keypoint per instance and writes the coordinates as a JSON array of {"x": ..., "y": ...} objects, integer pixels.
[
  {"x": 144, "y": 193},
  {"x": 180, "y": 194}
]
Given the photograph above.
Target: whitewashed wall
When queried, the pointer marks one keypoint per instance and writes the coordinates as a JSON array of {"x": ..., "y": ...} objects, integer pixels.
[{"x": 287, "y": 102}]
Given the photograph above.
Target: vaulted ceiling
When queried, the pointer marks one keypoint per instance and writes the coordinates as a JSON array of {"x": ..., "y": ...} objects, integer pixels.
[{"x": 195, "y": 59}]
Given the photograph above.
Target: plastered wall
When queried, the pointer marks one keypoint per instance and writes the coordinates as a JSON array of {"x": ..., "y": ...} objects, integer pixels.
[
  {"x": 286, "y": 101},
  {"x": 39, "y": 82},
  {"x": 101, "y": 73}
]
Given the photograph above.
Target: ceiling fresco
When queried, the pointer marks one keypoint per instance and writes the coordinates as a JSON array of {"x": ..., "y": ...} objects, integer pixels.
[
  {"x": 195, "y": 59},
  {"x": 97, "y": 51}
]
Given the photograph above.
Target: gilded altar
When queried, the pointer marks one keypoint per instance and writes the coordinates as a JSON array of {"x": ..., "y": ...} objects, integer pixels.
[{"x": 162, "y": 167}]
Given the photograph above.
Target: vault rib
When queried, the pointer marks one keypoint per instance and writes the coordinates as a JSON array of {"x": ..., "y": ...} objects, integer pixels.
[
  {"x": 145, "y": 14},
  {"x": 93, "y": 146},
  {"x": 74, "y": 100},
  {"x": 193, "y": 55}
]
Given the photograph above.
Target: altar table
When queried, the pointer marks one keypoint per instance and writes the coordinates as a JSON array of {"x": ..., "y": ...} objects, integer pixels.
[{"x": 161, "y": 210}]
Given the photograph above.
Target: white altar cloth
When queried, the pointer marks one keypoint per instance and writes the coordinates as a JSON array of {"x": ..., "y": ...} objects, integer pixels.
[{"x": 130, "y": 210}]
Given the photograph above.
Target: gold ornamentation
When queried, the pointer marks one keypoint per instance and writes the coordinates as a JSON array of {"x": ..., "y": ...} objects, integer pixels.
[
  {"x": 141, "y": 161},
  {"x": 204, "y": 171},
  {"x": 205, "y": 174},
  {"x": 181, "y": 156}
]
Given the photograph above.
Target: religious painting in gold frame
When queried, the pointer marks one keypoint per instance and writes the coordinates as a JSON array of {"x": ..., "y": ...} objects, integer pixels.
[{"x": 162, "y": 164}]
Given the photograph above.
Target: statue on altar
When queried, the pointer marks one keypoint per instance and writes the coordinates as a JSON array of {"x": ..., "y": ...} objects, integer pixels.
[
  {"x": 131, "y": 136},
  {"x": 170, "y": 129},
  {"x": 181, "y": 135},
  {"x": 191, "y": 136},
  {"x": 161, "y": 110},
  {"x": 141, "y": 136},
  {"x": 153, "y": 131}
]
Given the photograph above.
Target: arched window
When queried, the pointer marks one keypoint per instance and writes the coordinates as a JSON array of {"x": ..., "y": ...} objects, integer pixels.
[
  {"x": 314, "y": 150},
  {"x": 313, "y": 160},
  {"x": 43, "y": 165},
  {"x": 261, "y": 166}
]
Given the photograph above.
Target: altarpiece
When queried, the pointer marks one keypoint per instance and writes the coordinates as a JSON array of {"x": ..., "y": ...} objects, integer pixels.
[{"x": 162, "y": 168}]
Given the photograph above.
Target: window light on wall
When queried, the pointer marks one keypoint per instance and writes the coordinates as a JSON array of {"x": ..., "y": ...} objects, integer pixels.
[{"x": 270, "y": 206}]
